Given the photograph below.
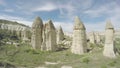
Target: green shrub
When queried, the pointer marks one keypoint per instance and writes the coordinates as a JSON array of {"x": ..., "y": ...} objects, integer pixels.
[
  {"x": 31, "y": 51},
  {"x": 103, "y": 66},
  {"x": 112, "y": 63},
  {"x": 86, "y": 60}
]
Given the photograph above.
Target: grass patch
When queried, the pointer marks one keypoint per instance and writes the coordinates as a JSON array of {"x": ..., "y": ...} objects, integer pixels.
[{"x": 24, "y": 56}]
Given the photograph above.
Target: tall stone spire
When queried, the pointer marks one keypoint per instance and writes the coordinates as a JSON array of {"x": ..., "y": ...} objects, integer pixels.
[
  {"x": 60, "y": 35},
  {"x": 78, "y": 24},
  {"x": 36, "y": 39},
  {"x": 109, "y": 42},
  {"x": 109, "y": 25},
  {"x": 79, "y": 42},
  {"x": 50, "y": 35}
]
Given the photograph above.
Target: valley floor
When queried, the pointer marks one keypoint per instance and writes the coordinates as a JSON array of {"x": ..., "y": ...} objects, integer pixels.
[{"x": 24, "y": 56}]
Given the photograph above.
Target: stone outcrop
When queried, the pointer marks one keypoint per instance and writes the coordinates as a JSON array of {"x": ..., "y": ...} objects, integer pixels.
[
  {"x": 43, "y": 35},
  {"x": 26, "y": 34},
  {"x": 36, "y": 39},
  {"x": 98, "y": 38},
  {"x": 109, "y": 49},
  {"x": 60, "y": 35},
  {"x": 92, "y": 38},
  {"x": 49, "y": 37},
  {"x": 79, "y": 43},
  {"x": 14, "y": 28}
]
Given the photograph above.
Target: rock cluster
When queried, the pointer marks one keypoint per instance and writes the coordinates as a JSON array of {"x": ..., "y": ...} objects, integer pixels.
[
  {"x": 94, "y": 37},
  {"x": 43, "y": 35}
]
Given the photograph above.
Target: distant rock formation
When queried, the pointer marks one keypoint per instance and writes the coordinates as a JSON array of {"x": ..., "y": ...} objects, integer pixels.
[
  {"x": 36, "y": 39},
  {"x": 109, "y": 47},
  {"x": 26, "y": 34},
  {"x": 79, "y": 43},
  {"x": 98, "y": 38},
  {"x": 14, "y": 28},
  {"x": 92, "y": 38},
  {"x": 60, "y": 35}
]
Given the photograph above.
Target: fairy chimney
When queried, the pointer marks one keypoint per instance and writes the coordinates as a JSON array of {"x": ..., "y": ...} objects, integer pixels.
[
  {"x": 60, "y": 35},
  {"x": 79, "y": 43},
  {"x": 36, "y": 39},
  {"x": 109, "y": 48}
]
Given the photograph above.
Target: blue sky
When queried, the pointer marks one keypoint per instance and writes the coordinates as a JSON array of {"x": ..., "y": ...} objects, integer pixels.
[{"x": 93, "y": 13}]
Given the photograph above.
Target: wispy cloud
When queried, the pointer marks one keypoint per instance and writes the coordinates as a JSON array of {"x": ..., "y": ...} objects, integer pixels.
[
  {"x": 67, "y": 27},
  {"x": 66, "y": 10},
  {"x": 73, "y": 8},
  {"x": 2, "y": 2},
  {"x": 46, "y": 7},
  {"x": 9, "y": 10},
  {"x": 103, "y": 10}
]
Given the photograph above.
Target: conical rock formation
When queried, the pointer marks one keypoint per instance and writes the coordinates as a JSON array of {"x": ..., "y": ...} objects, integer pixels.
[
  {"x": 79, "y": 42},
  {"x": 109, "y": 41}
]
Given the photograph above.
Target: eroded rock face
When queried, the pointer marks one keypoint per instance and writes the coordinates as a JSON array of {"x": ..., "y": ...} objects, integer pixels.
[
  {"x": 60, "y": 35},
  {"x": 26, "y": 33},
  {"x": 92, "y": 38},
  {"x": 109, "y": 41},
  {"x": 49, "y": 37},
  {"x": 79, "y": 43},
  {"x": 14, "y": 28},
  {"x": 98, "y": 38},
  {"x": 36, "y": 39}
]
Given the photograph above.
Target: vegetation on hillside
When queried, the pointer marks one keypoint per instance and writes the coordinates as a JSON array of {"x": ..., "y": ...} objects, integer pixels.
[
  {"x": 11, "y": 22},
  {"x": 6, "y": 36}
]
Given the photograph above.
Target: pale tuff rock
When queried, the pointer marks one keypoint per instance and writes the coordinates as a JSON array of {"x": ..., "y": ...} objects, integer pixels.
[
  {"x": 92, "y": 38},
  {"x": 49, "y": 37},
  {"x": 98, "y": 38},
  {"x": 109, "y": 41},
  {"x": 15, "y": 29},
  {"x": 79, "y": 43},
  {"x": 60, "y": 35},
  {"x": 25, "y": 34},
  {"x": 43, "y": 46},
  {"x": 36, "y": 39}
]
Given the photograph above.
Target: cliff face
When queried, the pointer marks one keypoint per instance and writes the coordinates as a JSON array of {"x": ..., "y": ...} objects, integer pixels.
[
  {"x": 20, "y": 30},
  {"x": 13, "y": 26}
]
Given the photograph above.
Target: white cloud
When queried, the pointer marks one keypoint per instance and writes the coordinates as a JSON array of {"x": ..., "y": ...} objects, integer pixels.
[
  {"x": 2, "y": 2},
  {"x": 68, "y": 10},
  {"x": 73, "y": 8},
  {"x": 67, "y": 27},
  {"x": 108, "y": 9},
  {"x": 9, "y": 10},
  {"x": 46, "y": 7}
]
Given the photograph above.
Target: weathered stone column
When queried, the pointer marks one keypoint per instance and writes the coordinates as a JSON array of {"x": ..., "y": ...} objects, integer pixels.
[
  {"x": 109, "y": 42},
  {"x": 50, "y": 35},
  {"x": 36, "y": 39},
  {"x": 60, "y": 35},
  {"x": 26, "y": 33},
  {"x": 43, "y": 47},
  {"x": 79, "y": 43}
]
